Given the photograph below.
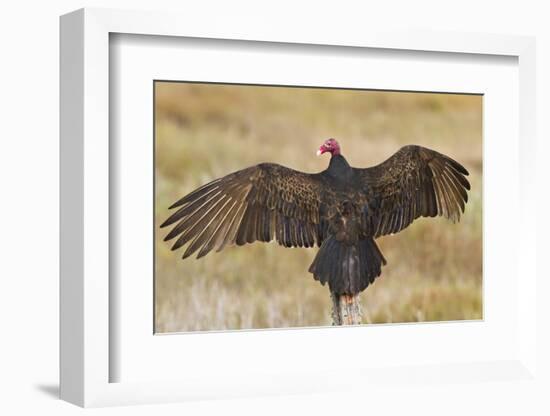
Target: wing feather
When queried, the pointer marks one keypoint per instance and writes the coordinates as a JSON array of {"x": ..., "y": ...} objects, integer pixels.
[
  {"x": 259, "y": 203},
  {"x": 414, "y": 182}
]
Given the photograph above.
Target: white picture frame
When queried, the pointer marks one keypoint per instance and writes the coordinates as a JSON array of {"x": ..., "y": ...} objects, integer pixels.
[{"x": 87, "y": 356}]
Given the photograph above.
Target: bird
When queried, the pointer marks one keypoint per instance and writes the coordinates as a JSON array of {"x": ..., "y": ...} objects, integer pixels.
[{"x": 341, "y": 210}]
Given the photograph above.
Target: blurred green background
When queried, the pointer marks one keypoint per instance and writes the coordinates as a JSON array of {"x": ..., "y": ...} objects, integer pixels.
[{"x": 205, "y": 131}]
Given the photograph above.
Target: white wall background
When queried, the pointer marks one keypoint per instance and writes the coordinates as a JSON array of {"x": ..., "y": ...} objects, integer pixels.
[{"x": 29, "y": 200}]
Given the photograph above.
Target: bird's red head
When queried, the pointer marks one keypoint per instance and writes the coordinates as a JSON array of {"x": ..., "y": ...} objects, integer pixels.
[{"x": 331, "y": 146}]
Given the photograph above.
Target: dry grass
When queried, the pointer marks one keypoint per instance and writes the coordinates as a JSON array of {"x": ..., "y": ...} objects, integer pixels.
[{"x": 434, "y": 269}]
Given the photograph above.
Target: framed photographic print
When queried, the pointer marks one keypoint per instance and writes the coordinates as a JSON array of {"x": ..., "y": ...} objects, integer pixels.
[{"x": 180, "y": 141}]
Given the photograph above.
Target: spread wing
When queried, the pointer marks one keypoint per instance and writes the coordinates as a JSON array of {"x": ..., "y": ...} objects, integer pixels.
[
  {"x": 414, "y": 182},
  {"x": 259, "y": 203}
]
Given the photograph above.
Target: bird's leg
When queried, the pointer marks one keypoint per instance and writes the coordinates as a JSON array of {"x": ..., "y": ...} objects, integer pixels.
[{"x": 346, "y": 309}]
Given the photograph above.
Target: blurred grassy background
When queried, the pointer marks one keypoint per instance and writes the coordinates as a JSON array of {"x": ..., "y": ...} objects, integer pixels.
[{"x": 204, "y": 131}]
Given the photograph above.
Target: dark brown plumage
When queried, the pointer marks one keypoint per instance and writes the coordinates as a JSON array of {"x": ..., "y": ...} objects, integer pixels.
[{"x": 341, "y": 210}]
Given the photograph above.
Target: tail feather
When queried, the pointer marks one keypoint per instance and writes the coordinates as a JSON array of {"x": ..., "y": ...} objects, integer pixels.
[{"x": 348, "y": 269}]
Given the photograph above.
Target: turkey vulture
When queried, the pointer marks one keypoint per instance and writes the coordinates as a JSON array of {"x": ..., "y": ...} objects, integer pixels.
[{"x": 342, "y": 210}]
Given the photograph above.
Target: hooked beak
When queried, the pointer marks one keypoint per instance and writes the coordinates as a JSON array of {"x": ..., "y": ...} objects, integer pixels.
[{"x": 321, "y": 151}]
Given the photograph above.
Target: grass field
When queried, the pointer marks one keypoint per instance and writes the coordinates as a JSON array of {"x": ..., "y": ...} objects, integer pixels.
[{"x": 434, "y": 269}]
